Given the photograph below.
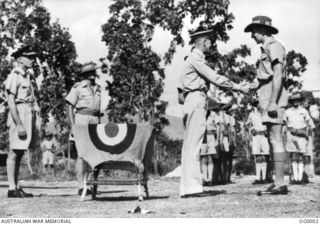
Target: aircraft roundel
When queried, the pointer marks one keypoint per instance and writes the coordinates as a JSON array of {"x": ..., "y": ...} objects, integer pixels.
[{"x": 112, "y": 138}]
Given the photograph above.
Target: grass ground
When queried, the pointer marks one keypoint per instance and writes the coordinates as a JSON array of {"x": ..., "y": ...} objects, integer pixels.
[{"x": 238, "y": 200}]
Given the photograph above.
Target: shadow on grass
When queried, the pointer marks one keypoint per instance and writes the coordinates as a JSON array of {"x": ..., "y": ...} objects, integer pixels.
[
  {"x": 72, "y": 195},
  {"x": 129, "y": 198},
  {"x": 38, "y": 187},
  {"x": 206, "y": 194}
]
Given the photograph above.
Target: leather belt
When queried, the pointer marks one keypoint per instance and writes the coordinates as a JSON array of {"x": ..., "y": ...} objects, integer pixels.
[
  {"x": 204, "y": 90},
  {"x": 88, "y": 113}
]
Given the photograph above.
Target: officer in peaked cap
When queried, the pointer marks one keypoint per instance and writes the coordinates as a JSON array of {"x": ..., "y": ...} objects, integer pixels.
[
  {"x": 21, "y": 119},
  {"x": 24, "y": 51},
  {"x": 193, "y": 89}
]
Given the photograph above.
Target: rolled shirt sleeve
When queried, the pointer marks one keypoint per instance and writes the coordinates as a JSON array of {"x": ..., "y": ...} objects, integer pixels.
[
  {"x": 276, "y": 52},
  {"x": 12, "y": 84}
]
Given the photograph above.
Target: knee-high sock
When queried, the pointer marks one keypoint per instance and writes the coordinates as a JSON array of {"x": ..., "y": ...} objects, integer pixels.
[
  {"x": 258, "y": 171},
  {"x": 300, "y": 170},
  {"x": 11, "y": 166},
  {"x": 295, "y": 171},
  {"x": 307, "y": 168},
  {"x": 264, "y": 170},
  {"x": 204, "y": 168},
  {"x": 17, "y": 168},
  {"x": 279, "y": 163},
  {"x": 312, "y": 173},
  {"x": 210, "y": 168}
]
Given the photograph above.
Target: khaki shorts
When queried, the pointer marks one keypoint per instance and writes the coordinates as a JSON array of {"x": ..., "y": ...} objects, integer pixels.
[
  {"x": 28, "y": 119},
  {"x": 260, "y": 145},
  {"x": 296, "y": 144},
  {"x": 264, "y": 93},
  {"x": 310, "y": 147},
  {"x": 209, "y": 148},
  {"x": 47, "y": 158}
]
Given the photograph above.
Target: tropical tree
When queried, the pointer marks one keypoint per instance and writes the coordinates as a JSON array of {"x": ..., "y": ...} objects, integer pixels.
[{"x": 295, "y": 66}]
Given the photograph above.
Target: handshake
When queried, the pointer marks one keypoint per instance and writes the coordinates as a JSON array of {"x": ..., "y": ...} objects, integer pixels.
[{"x": 245, "y": 86}]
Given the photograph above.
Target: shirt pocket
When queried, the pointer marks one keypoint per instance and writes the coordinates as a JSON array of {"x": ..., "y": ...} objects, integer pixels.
[
  {"x": 86, "y": 98},
  {"x": 24, "y": 91}
]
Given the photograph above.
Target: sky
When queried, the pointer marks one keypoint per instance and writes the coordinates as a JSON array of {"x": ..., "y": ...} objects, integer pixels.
[{"x": 297, "y": 21}]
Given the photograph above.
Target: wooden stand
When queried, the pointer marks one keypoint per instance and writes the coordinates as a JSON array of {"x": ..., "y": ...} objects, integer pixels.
[{"x": 140, "y": 180}]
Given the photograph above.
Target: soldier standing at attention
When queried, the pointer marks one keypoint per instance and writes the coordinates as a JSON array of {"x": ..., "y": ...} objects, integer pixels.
[
  {"x": 84, "y": 98},
  {"x": 298, "y": 123},
  {"x": 192, "y": 92},
  {"x": 22, "y": 116},
  {"x": 260, "y": 145},
  {"x": 208, "y": 152},
  {"x": 272, "y": 94}
]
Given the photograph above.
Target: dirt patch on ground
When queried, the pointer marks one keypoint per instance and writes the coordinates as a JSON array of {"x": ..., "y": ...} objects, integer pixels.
[{"x": 59, "y": 199}]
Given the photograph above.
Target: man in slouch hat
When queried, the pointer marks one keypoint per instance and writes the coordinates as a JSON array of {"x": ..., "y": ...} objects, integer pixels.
[
  {"x": 84, "y": 108},
  {"x": 272, "y": 94}
]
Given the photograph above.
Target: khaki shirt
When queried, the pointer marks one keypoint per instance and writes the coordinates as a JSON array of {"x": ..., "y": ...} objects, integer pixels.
[
  {"x": 255, "y": 120},
  {"x": 47, "y": 145},
  {"x": 298, "y": 118},
  {"x": 212, "y": 121},
  {"x": 195, "y": 72},
  {"x": 83, "y": 98},
  {"x": 270, "y": 51},
  {"x": 20, "y": 85}
]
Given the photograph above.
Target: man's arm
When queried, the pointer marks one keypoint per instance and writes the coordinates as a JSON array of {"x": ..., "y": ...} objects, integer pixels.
[
  {"x": 15, "y": 115},
  {"x": 276, "y": 83},
  {"x": 71, "y": 114},
  {"x": 219, "y": 80}
]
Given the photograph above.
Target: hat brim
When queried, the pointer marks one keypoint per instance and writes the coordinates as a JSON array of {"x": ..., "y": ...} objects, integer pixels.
[
  {"x": 201, "y": 33},
  {"x": 295, "y": 98},
  {"x": 88, "y": 71},
  {"x": 251, "y": 26}
]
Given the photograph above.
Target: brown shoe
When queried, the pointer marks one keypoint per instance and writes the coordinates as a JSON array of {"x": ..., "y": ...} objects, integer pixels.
[
  {"x": 14, "y": 194},
  {"x": 276, "y": 190},
  {"x": 89, "y": 191}
]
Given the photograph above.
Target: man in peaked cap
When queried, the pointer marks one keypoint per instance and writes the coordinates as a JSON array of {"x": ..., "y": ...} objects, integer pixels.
[
  {"x": 21, "y": 118},
  {"x": 193, "y": 88},
  {"x": 272, "y": 94},
  {"x": 85, "y": 99}
]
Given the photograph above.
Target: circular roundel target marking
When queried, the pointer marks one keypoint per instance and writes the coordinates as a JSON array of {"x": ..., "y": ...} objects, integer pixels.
[
  {"x": 112, "y": 138},
  {"x": 112, "y": 129},
  {"x": 112, "y": 134}
]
